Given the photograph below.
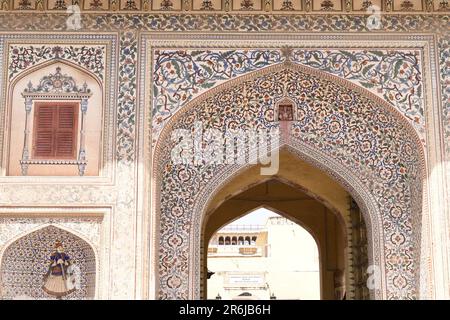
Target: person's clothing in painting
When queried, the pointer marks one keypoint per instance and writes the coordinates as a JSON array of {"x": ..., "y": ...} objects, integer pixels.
[{"x": 55, "y": 281}]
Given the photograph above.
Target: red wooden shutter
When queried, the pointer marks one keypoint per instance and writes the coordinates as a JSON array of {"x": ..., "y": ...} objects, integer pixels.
[
  {"x": 55, "y": 130},
  {"x": 43, "y": 131},
  {"x": 65, "y": 140}
]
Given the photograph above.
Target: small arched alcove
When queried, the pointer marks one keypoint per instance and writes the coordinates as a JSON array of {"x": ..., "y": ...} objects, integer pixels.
[
  {"x": 53, "y": 85},
  {"x": 25, "y": 262}
]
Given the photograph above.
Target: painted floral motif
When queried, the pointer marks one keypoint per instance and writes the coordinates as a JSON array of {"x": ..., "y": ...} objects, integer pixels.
[
  {"x": 339, "y": 122},
  {"x": 181, "y": 74},
  {"x": 444, "y": 65},
  {"x": 23, "y": 57},
  {"x": 127, "y": 97},
  {"x": 395, "y": 75},
  {"x": 225, "y": 23}
]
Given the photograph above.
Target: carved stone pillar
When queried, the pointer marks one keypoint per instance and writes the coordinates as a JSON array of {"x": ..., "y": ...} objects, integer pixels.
[
  {"x": 26, "y": 137},
  {"x": 82, "y": 153}
]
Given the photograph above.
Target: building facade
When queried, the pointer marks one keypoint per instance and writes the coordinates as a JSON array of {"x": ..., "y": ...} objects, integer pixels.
[
  {"x": 93, "y": 91},
  {"x": 253, "y": 262}
]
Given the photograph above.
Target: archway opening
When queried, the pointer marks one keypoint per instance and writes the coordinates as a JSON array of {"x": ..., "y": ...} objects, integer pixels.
[
  {"x": 301, "y": 195},
  {"x": 274, "y": 258},
  {"x": 346, "y": 133}
]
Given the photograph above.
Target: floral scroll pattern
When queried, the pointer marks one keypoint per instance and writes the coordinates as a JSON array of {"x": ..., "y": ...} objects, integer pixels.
[
  {"x": 126, "y": 113},
  {"x": 181, "y": 74},
  {"x": 94, "y": 22},
  {"x": 22, "y": 57},
  {"x": 395, "y": 75},
  {"x": 444, "y": 63}
]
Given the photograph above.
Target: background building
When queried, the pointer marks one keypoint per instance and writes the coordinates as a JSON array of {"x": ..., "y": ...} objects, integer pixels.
[{"x": 278, "y": 259}]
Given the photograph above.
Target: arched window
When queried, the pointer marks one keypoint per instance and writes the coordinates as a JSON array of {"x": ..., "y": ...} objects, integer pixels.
[
  {"x": 60, "y": 108},
  {"x": 221, "y": 241},
  {"x": 254, "y": 240},
  {"x": 247, "y": 240},
  {"x": 227, "y": 241},
  {"x": 234, "y": 241},
  {"x": 241, "y": 240}
]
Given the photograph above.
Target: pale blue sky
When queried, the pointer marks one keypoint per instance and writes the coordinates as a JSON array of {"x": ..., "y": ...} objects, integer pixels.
[{"x": 257, "y": 217}]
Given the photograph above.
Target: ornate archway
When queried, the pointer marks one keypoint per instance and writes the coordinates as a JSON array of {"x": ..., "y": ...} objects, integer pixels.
[
  {"x": 329, "y": 228},
  {"x": 355, "y": 137}
]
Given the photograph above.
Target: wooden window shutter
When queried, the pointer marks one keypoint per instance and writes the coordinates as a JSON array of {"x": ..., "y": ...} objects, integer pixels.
[
  {"x": 55, "y": 130},
  {"x": 65, "y": 140},
  {"x": 43, "y": 131}
]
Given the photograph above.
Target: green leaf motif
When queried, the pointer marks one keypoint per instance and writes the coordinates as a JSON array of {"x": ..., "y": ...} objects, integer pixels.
[
  {"x": 368, "y": 85},
  {"x": 397, "y": 67}
]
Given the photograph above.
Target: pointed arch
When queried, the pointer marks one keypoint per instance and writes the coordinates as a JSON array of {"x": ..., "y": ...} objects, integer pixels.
[
  {"x": 366, "y": 186},
  {"x": 315, "y": 248},
  {"x": 45, "y": 225},
  {"x": 215, "y": 198},
  {"x": 282, "y": 214},
  {"x": 50, "y": 62},
  {"x": 15, "y": 113}
]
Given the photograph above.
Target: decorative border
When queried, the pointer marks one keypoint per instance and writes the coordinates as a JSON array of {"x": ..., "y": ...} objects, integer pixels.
[
  {"x": 90, "y": 58},
  {"x": 208, "y": 7},
  {"x": 253, "y": 23}
]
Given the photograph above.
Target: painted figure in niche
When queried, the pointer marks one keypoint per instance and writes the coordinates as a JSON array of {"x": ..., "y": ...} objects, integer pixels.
[
  {"x": 285, "y": 112},
  {"x": 59, "y": 280}
]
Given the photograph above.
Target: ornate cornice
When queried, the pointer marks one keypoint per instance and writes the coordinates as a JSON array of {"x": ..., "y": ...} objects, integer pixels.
[
  {"x": 58, "y": 85},
  {"x": 208, "y": 7},
  {"x": 251, "y": 23}
]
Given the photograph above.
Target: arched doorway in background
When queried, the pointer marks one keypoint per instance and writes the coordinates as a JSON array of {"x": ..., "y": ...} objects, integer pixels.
[
  {"x": 338, "y": 229},
  {"x": 276, "y": 258}
]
